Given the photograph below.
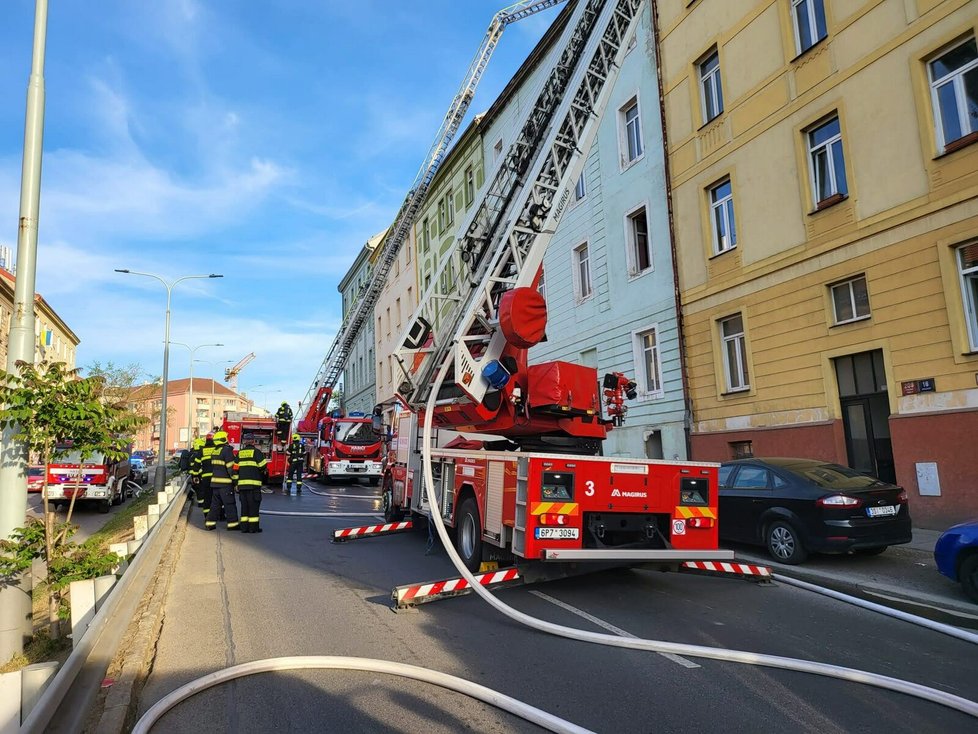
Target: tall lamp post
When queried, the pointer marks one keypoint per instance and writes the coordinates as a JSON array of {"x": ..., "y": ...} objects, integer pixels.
[
  {"x": 161, "y": 460},
  {"x": 191, "y": 408}
]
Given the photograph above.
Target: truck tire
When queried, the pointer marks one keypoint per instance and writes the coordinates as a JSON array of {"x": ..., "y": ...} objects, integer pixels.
[
  {"x": 104, "y": 506},
  {"x": 374, "y": 481},
  {"x": 391, "y": 513},
  {"x": 468, "y": 534}
]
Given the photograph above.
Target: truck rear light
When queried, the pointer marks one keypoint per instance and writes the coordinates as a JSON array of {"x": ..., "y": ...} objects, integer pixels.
[
  {"x": 550, "y": 518},
  {"x": 700, "y": 522},
  {"x": 838, "y": 500}
]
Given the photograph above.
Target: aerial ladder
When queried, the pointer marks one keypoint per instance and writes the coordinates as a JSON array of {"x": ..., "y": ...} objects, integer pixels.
[
  {"x": 485, "y": 317},
  {"x": 314, "y": 404},
  {"x": 231, "y": 373}
]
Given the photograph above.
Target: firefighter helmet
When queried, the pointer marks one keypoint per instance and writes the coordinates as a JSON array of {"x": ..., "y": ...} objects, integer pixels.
[
  {"x": 220, "y": 437},
  {"x": 295, "y": 436}
]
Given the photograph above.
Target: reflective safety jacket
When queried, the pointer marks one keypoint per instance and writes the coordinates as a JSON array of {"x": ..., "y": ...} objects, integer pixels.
[
  {"x": 223, "y": 465},
  {"x": 297, "y": 454},
  {"x": 284, "y": 414},
  {"x": 251, "y": 468},
  {"x": 207, "y": 453},
  {"x": 196, "y": 462}
]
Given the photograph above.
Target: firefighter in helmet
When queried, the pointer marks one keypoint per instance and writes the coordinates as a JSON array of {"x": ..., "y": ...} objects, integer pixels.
[
  {"x": 297, "y": 459},
  {"x": 252, "y": 473},
  {"x": 225, "y": 476},
  {"x": 283, "y": 421},
  {"x": 204, "y": 492},
  {"x": 196, "y": 457}
]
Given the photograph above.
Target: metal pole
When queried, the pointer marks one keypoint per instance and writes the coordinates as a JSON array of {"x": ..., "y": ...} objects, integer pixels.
[
  {"x": 190, "y": 407},
  {"x": 15, "y": 602},
  {"x": 160, "y": 477}
]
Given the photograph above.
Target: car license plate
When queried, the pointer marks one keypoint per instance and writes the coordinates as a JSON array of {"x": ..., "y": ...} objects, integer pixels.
[
  {"x": 556, "y": 533},
  {"x": 881, "y": 511}
]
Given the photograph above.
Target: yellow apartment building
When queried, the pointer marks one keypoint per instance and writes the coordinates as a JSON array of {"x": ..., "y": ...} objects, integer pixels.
[{"x": 823, "y": 160}]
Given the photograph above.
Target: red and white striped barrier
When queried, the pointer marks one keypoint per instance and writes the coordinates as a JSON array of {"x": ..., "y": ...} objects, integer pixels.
[
  {"x": 412, "y": 594},
  {"x": 367, "y": 531},
  {"x": 740, "y": 569}
]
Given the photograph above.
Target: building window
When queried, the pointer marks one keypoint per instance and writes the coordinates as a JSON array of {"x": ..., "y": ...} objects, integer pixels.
[
  {"x": 497, "y": 149},
  {"x": 542, "y": 284},
  {"x": 741, "y": 450},
  {"x": 469, "y": 186},
  {"x": 828, "y": 163},
  {"x": 850, "y": 300},
  {"x": 735, "y": 353},
  {"x": 397, "y": 310},
  {"x": 637, "y": 236},
  {"x": 968, "y": 264},
  {"x": 450, "y": 196},
  {"x": 647, "y": 361},
  {"x": 425, "y": 234},
  {"x": 582, "y": 272},
  {"x": 954, "y": 89},
  {"x": 711, "y": 91},
  {"x": 442, "y": 215},
  {"x": 631, "y": 132},
  {"x": 722, "y": 217},
  {"x": 808, "y": 17},
  {"x": 580, "y": 191}
]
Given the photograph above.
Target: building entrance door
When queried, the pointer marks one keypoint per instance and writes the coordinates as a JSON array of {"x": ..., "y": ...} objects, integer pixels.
[{"x": 866, "y": 413}]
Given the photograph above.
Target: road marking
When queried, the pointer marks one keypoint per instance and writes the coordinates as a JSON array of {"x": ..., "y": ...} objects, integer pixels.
[
  {"x": 351, "y": 496},
  {"x": 321, "y": 514},
  {"x": 901, "y": 600},
  {"x": 610, "y": 627}
]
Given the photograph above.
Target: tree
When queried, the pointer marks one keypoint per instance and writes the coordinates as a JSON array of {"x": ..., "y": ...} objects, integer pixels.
[{"x": 49, "y": 404}]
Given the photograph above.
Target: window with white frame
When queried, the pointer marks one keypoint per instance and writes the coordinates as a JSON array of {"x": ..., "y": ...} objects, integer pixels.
[
  {"x": 808, "y": 17},
  {"x": 711, "y": 90},
  {"x": 582, "y": 272},
  {"x": 580, "y": 190},
  {"x": 637, "y": 236},
  {"x": 631, "y": 132},
  {"x": 967, "y": 256},
  {"x": 722, "y": 217},
  {"x": 442, "y": 214},
  {"x": 827, "y": 162},
  {"x": 850, "y": 300},
  {"x": 542, "y": 284},
  {"x": 648, "y": 364},
  {"x": 954, "y": 90},
  {"x": 469, "y": 186},
  {"x": 734, "y": 345},
  {"x": 425, "y": 234},
  {"x": 450, "y": 196}
]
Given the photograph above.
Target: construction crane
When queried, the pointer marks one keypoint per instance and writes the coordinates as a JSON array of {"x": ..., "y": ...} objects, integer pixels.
[
  {"x": 362, "y": 308},
  {"x": 485, "y": 318},
  {"x": 231, "y": 373}
]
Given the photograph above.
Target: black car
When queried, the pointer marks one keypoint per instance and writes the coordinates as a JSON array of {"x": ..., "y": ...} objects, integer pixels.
[{"x": 797, "y": 506}]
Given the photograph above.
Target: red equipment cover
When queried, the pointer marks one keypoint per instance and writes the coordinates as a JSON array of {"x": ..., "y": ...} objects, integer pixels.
[
  {"x": 563, "y": 384},
  {"x": 523, "y": 317}
]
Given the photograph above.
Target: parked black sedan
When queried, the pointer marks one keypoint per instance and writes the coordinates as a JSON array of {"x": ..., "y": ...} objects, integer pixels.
[{"x": 797, "y": 506}]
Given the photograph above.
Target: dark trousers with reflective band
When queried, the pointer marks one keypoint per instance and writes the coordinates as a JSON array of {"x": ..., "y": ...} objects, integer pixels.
[
  {"x": 250, "y": 504},
  {"x": 223, "y": 496},
  {"x": 294, "y": 473},
  {"x": 204, "y": 494}
]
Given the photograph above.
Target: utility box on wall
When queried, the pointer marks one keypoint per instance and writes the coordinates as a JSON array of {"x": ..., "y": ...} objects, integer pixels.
[{"x": 928, "y": 481}]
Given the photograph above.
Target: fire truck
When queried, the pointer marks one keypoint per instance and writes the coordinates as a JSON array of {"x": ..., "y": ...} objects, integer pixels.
[
  {"x": 343, "y": 446},
  {"x": 536, "y": 486},
  {"x": 243, "y": 428},
  {"x": 95, "y": 480}
]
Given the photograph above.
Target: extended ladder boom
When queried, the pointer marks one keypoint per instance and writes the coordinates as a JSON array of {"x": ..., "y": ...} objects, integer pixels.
[
  {"x": 390, "y": 246},
  {"x": 507, "y": 233}
]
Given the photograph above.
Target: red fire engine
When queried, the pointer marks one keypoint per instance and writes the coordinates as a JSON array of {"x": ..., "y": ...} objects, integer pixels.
[
  {"x": 242, "y": 428},
  {"x": 343, "y": 446}
]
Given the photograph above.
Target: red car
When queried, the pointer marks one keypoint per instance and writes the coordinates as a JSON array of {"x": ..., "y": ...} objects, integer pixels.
[{"x": 35, "y": 478}]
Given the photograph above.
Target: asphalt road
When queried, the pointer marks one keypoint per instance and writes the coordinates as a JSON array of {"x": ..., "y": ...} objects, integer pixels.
[{"x": 236, "y": 598}]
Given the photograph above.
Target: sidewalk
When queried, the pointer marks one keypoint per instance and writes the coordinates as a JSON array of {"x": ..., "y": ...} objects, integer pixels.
[{"x": 905, "y": 576}]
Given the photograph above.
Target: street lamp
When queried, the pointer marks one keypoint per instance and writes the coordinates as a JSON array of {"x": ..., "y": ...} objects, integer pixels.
[
  {"x": 161, "y": 461},
  {"x": 191, "y": 408},
  {"x": 212, "y": 363},
  {"x": 266, "y": 393}
]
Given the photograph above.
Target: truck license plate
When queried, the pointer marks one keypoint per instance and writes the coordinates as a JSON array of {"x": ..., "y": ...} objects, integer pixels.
[
  {"x": 881, "y": 511},
  {"x": 556, "y": 533}
]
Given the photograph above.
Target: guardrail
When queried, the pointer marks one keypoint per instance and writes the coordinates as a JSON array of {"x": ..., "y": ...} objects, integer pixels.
[{"x": 92, "y": 624}]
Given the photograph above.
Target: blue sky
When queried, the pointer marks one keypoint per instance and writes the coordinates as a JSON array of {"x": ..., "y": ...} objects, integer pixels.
[{"x": 262, "y": 140}]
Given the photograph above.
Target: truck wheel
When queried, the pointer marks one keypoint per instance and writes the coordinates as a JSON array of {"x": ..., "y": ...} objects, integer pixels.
[
  {"x": 784, "y": 544},
  {"x": 468, "y": 534},
  {"x": 104, "y": 506},
  {"x": 374, "y": 481},
  {"x": 391, "y": 513}
]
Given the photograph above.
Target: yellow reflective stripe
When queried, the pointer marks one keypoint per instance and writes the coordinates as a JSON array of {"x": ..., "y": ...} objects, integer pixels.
[{"x": 249, "y": 482}]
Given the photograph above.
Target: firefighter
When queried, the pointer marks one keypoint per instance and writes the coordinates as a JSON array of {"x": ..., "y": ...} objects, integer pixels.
[
  {"x": 283, "y": 421},
  {"x": 225, "y": 474},
  {"x": 252, "y": 473},
  {"x": 196, "y": 457},
  {"x": 206, "y": 474},
  {"x": 297, "y": 459}
]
